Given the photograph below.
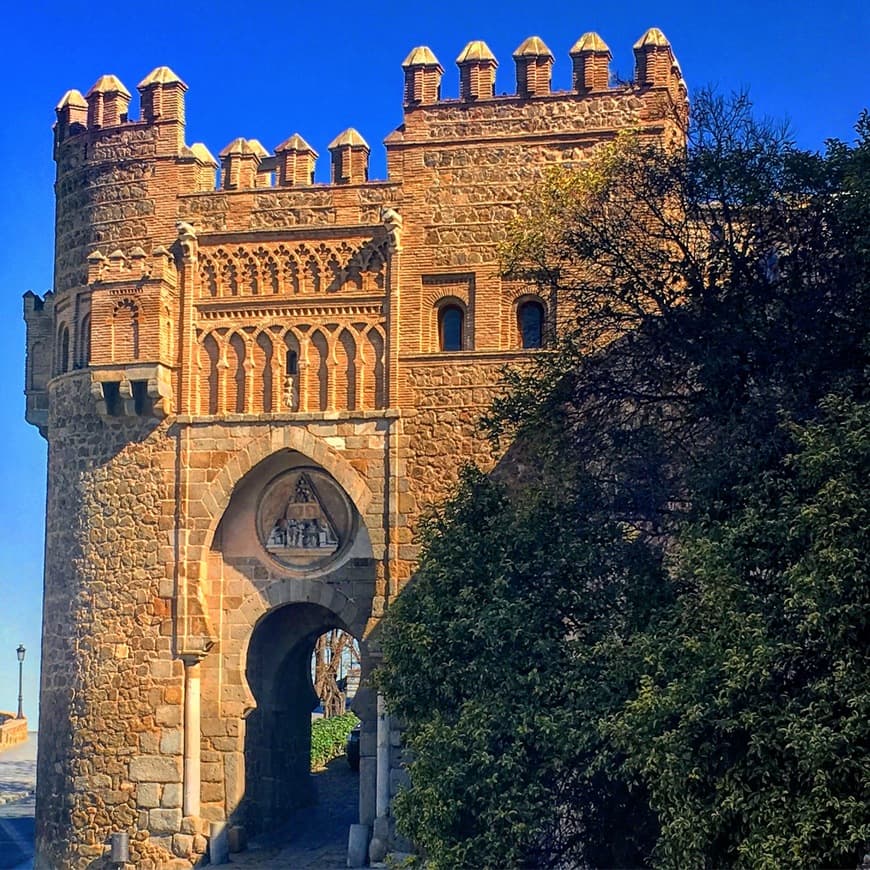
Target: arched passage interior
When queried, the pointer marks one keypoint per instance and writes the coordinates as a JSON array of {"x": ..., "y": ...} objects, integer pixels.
[{"x": 278, "y": 730}]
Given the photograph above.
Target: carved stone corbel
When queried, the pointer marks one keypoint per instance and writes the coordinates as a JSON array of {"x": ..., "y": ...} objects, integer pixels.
[
  {"x": 160, "y": 394},
  {"x": 392, "y": 222},
  {"x": 187, "y": 240},
  {"x": 125, "y": 394},
  {"x": 99, "y": 398}
]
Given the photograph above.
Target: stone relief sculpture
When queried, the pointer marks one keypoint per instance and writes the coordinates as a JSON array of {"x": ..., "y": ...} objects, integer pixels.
[{"x": 303, "y": 526}]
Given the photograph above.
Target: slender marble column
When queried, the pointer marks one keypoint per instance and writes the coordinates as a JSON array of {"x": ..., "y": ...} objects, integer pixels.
[
  {"x": 382, "y": 800},
  {"x": 191, "y": 736}
]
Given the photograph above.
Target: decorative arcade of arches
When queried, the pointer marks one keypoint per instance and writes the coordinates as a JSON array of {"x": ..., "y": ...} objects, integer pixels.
[
  {"x": 334, "y": 367},
  {"x": 286, "y": 270}
]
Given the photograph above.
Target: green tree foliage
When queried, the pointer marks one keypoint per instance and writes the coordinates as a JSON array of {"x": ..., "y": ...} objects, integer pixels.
[
  {"x": 491, "y": 661},
  {"x": 752, "y": 722},
  {"x": 700, "y": 294},
  {"x": 644, "y": 642}
]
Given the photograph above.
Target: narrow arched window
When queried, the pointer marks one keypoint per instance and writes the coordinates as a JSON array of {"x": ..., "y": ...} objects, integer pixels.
[
  {"x": 530, "y": 320},
  {"x": 63, "y": 350},
  {"x": 85, "y": 342},
  {"x": 451, "y": 327}
]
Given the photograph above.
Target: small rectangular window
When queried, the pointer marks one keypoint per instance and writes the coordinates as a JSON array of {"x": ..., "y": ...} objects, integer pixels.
[
  {"x": 141, "y": 400},
  {"x": 112, "y": 397}
]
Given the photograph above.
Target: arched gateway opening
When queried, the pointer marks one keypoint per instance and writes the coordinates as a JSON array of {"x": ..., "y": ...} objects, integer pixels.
[
  {"x": 278, "y": 733},
  {"x": 291, "y": 558}
]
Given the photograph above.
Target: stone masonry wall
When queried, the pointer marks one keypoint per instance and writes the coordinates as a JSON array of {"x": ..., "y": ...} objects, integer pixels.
[{"x": 110, "y": 720}]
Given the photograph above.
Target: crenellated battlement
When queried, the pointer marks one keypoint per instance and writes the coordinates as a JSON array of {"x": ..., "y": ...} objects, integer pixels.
[{"x": 246, "y": 164}]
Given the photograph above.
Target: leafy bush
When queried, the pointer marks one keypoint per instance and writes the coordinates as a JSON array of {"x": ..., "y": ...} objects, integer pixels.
[
  {"x": 494, "y": 660},
  {"x": 328, "y": 738}
]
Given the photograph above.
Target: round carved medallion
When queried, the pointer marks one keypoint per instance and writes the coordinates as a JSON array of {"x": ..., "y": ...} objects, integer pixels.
[{"x": 304, "y": 519}]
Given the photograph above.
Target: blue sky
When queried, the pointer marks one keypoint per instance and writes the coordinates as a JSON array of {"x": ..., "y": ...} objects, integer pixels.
[{"x": 267, "y": 70}]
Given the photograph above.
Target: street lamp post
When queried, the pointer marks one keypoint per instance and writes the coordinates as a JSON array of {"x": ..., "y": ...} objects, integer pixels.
[{"x": 20, "y": 651}]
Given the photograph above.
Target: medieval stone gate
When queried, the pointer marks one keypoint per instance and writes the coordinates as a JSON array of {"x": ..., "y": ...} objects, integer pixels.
[{"x": 250, "y": 391}]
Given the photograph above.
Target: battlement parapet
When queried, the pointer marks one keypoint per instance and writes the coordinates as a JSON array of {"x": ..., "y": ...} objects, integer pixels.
[
  {"x": 246, "y": 164},
  {"x": 134, "y": 267},
  {"x": 106, "y": 106},
  {"x": 655, "y": 66}
]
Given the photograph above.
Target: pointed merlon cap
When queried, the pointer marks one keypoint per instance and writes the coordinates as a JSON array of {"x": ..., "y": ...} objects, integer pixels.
[
  {"x": 72, "y": 100},
  {"x": 589, "y": 43},
  {"x": 162, "y": 75},
  {"x": 239, "y": 146},
  {"x": 96, "y": 257},
  {"x": 202, "y": 154},
  {"x": 653, "y": 38},
  {"x": 422, "y": 55},
  {"x": 476, "y": 50},
  {"x": 295, "y": 143},
  {"x": 534, "y": 46},
  {"x": 258, "y": 148},
  {"x": 108, "y": 85},
  {"x": 349, "y": 138}
]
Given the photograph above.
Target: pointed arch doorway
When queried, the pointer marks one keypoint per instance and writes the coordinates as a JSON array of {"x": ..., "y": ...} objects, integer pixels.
[{"x": 293, "y": 558}]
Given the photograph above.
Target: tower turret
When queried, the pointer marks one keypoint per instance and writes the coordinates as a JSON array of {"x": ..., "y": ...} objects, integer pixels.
[
  {"x": 422, "y": 77},
  {"x": 653, "y": 59},
  {"x": 477, "y": 66},
  {"x": 350, "y": 158},
  {"x": 239, "y": 163},
  {"x": 534, "y": 62},
  {"x": 295, "y": 161},
  {"x": 108, "y": 101},
  {"x": 590, "y": 56},
  {"x": 161, "y": 96}
]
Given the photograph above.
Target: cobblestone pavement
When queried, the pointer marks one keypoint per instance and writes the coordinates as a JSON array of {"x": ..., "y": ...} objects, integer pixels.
[
  {"x": 314, "y": 838},
  {"x": 17, "y": 781}
]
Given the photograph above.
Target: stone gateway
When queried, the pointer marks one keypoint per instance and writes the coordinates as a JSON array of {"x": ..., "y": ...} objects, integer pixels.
[{"x": 250, "y": 390}]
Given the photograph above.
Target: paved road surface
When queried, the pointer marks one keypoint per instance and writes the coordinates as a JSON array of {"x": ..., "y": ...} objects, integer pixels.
[
  {"x": 17, "y": 781},
  {"x": 314, "y": 838}
]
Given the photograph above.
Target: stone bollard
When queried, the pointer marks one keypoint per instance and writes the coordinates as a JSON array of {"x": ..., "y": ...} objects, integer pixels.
[
  {"x": 218, "y": 843},
  {"x": 357, "y": 845},
  {"x": 237, "y": 838},
  {"x": 380, "y": 840}
]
